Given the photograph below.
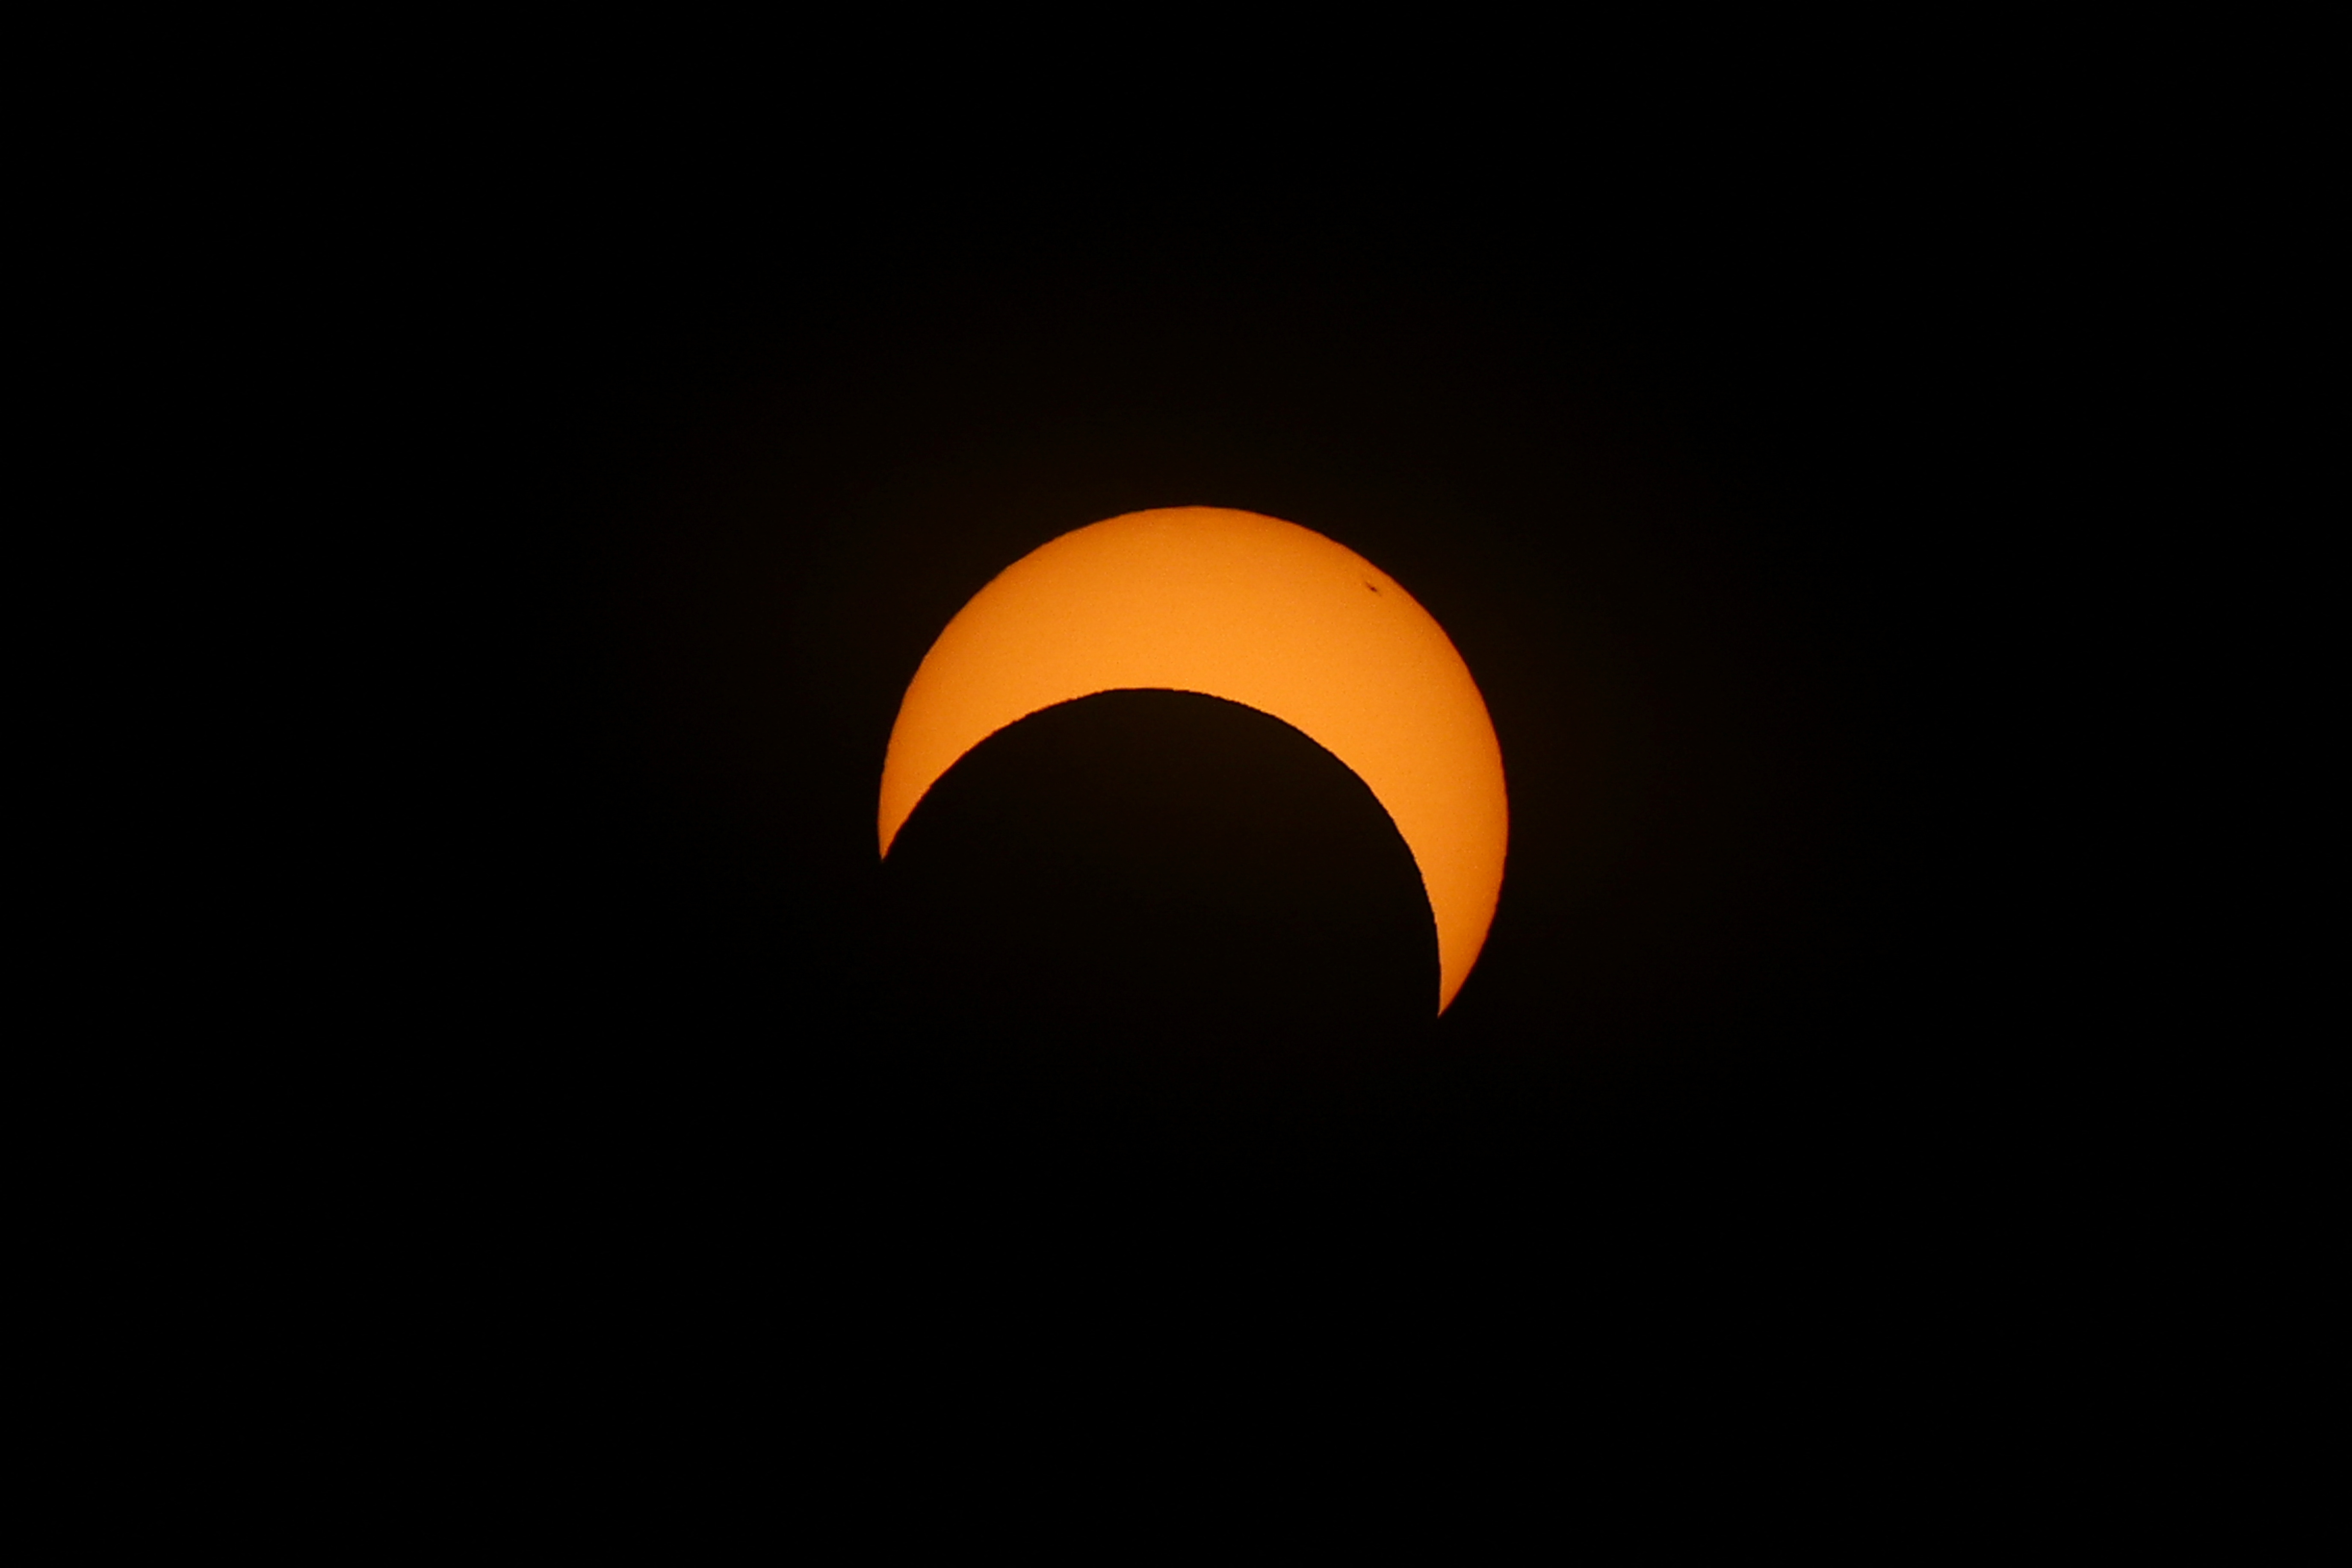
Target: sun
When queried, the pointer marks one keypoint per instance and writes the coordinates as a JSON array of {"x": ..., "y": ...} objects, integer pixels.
[{"x": 1256, "y": 611}]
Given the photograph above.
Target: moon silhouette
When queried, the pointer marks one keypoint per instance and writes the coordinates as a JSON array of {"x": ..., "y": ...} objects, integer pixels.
[{"x": 1256, "y": 611}]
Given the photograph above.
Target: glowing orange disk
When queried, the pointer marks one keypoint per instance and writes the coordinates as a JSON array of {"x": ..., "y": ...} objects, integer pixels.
[{"x": 1256, "y": 611}]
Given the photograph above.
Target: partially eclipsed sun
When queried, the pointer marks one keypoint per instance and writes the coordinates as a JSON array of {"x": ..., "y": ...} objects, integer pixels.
[{"x": 1256, "y": 611}]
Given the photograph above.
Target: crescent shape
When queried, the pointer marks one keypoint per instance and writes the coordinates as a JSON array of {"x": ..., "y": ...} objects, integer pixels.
[{"x": 1256, "y": 611}]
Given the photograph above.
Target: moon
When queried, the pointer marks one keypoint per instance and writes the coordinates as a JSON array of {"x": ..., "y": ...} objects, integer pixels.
[{"x": 1256, "y": 611}]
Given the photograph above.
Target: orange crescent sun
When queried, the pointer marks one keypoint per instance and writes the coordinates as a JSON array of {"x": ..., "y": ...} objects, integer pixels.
[{"x": 1256, "y": 611}]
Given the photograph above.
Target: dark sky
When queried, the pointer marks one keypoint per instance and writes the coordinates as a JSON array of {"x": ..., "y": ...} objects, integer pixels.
[{"x": 1681, "y": 468}]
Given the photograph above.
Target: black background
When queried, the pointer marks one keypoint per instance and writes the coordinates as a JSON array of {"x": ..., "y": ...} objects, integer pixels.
[{"x": 1676, "y": 446}]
